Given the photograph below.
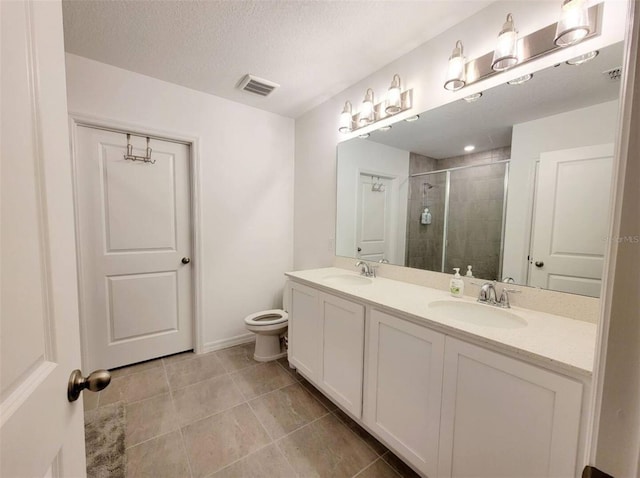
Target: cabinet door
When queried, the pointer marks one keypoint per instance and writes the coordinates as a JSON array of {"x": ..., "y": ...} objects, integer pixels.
[
  {"x": 342, "y": 351},
  {"x": 505, "y": 418},
  {"x": 304, "y": 330},
  {"x": 404, "y": 388}
]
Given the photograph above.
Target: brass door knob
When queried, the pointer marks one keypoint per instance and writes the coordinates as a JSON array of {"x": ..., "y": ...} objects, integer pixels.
[
  {"x": 539, "y": 264},
  {"x": 95, "y": 382}
]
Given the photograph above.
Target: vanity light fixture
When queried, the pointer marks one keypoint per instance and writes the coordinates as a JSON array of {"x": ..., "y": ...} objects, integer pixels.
[
  {"x": 456, "y": 71},
  {"x": 573, "y": 25},
  {"x": 505, "y": 55},
  {"x": 579, "y": 60},
  {"x": 367, "y": 113},
  {"x": 473, "y": 98},
  {"x": 411, "y": 119},
  {"x": 578, "y": 22},
  {"x": 469, "y": 148},
  {"x": 520, "y": 79},
  {"x": 394, "y": 100},
  {"x": 346, "y": 118}
]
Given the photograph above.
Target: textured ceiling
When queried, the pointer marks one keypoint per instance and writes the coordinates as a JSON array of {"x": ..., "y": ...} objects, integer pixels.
[{"x": 313, "y": 49}]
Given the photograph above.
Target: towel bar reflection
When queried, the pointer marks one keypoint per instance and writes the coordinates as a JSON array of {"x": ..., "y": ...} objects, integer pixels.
[{"x": 129, "y": 156}]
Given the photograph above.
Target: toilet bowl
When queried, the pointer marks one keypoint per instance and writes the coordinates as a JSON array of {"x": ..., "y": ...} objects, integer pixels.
[{"x": 269, "y": 326}]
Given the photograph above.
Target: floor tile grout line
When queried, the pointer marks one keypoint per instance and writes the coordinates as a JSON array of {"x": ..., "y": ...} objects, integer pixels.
[
  {"x": 373, "y": 463},
  {"x": 175, "y": 410}
]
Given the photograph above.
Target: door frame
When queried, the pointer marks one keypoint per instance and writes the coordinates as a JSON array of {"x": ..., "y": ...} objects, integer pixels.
[{"x": 77, "y": 120}]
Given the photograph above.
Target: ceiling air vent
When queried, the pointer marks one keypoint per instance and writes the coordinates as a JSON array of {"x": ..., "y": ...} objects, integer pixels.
[
  {"x": 613, "y": 74},
  {"x": 257, "y": 86}
]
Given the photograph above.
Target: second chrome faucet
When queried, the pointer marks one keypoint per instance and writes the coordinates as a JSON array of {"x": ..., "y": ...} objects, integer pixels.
[
  {"x": 366, "y": 269},
  {"x": 488, "y": 295}
]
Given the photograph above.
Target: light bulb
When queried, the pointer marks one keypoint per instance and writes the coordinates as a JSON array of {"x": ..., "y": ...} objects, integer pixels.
[
  {"x": 505, "y": 55},
  {"x": 573, "y": 25},
  {"x": 456, "y": 71},
  {"x": 346, "y": 119},
  {"x": 394, "y": 101},
  {"x": 367, "y": 109}
]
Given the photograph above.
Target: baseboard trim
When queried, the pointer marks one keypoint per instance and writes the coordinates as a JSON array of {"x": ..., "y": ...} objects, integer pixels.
[{"x": 230, "y": 342}]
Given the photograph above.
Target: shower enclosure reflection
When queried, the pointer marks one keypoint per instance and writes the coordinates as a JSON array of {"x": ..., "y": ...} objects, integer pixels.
[{"x": 465, "y": 203}]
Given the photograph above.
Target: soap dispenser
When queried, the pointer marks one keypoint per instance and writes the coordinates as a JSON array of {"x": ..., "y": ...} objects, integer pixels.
[
  {"x": 456, "y": 285},
  {"x": 469, "y": 272}
]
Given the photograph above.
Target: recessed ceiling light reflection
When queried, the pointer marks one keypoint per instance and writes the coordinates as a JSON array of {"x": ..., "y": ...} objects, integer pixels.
[
  {"x": 384, "y": 128},
  {"x": 473, "y": 97},
  {"x": 411, "y": 119},
  {"x": 579, "y": 60},
  {"x": 520, "y": 79},
  {"x": 469, "y": 148},
  {"x": 364, "y": 136}
]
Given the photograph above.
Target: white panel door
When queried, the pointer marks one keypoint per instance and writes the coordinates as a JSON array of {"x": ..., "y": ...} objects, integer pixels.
[
  {"x": 571, "y": 219},
  {"x": 134, "y": 230},
  {"x": 304, "y": 330},
  {"x": 342, "y": 351},
  {"x": 373, "y": 235},
  {"x": 504, "y": 418},
  {"x": 41, "y": 433},
  {"x": 404, "y": 388}
]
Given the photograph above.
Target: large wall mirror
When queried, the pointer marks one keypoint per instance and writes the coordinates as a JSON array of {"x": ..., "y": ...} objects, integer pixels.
[{"x": 515, "y": 183}]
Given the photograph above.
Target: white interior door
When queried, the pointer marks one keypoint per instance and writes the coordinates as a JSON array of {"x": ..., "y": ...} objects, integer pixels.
[
  {"x": 41, "y": 433},
  {"x": 571, "y": 219},
  {"x": 134, "y": 231},
  {"x": 373, "y": 230}
]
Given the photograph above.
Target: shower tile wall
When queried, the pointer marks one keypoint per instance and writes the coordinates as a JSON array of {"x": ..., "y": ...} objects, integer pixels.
[
  {"x": 475, "y": 213},
  {"x": 424, "y": 242}
]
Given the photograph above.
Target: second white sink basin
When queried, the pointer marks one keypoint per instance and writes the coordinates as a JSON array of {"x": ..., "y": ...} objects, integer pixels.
[
  {"x": 477, "y": 314},
  {"x": 347, "y": 279}
]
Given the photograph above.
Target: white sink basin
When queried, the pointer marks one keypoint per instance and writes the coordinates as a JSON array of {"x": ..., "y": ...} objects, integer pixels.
[
  {"x": 347, "y": 279},
  {"x": 477, "y": 314}
]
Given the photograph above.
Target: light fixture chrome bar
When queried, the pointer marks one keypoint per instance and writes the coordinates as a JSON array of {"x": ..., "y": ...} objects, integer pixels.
[
  {"x": 460, "y": 167},
  {"x": 406, "y": 103},
  {"x": 532, "y": 46}
]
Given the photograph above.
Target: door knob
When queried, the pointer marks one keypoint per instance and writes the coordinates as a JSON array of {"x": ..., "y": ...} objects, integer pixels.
[
  {"x": 539, "y": 264},
  {"x": 186, "y": 260},
  {"x": 359, "y": 249},
  {"x": 95, "y": 382}
]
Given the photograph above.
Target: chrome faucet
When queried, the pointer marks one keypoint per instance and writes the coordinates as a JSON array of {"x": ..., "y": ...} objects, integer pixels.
[
  {"x": 366, "y": 269},
  {"x": 488, "y": 295}
]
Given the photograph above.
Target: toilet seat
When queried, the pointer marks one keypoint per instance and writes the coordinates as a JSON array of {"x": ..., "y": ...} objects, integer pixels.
[{"x": 267, "y": 317}]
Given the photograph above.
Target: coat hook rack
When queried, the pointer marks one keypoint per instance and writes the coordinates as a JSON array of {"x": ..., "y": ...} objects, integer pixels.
[{"x": 129, "y": 156}]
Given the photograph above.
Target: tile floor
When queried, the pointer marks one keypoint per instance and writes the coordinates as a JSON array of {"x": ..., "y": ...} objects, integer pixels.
[{"x": 225, "y": 415}]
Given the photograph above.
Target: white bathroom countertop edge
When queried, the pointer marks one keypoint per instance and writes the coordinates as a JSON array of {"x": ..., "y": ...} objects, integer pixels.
[{"x": 553, "y": 342}]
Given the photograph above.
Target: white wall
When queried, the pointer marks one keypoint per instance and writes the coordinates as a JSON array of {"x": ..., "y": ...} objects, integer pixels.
[
  {"x": 246, "y": 183},
  {"x": 423, "y": 69},
  {"x": 583, "y": 127},
  {"x": 358, "y": 156}
]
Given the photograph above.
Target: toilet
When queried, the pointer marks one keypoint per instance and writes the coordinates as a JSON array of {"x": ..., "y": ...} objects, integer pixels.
[{"x": 269, "y": 326}]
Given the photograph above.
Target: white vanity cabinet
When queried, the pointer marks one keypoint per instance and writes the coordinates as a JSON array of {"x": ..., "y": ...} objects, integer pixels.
[
  {"x": 404, "y": 388},
  {"x": 447, "y": 407},
  {"x": 326, "y": 344},
  {"x": 503, "y": 417},
  {"x": 304, "y": 330}
]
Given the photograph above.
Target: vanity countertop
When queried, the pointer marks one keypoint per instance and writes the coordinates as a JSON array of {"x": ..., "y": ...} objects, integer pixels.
[{"x": 551, "y": 341}]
